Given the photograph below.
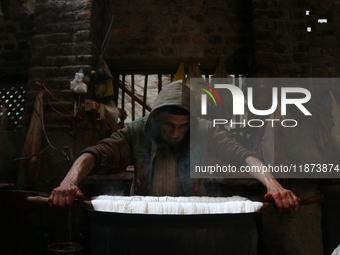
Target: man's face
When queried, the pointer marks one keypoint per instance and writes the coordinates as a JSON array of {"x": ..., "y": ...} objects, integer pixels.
[{"x": 174, "y": 127}]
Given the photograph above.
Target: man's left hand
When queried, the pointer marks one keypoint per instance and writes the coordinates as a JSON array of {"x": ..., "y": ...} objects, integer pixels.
[{"x": 284, "y": 199}]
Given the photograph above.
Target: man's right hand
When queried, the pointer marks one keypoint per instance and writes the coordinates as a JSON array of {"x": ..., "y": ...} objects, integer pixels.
[{"x": 62, "y": 198}]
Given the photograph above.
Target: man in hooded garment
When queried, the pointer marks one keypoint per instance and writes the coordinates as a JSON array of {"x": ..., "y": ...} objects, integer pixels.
[{"x": 158, "y": 146}]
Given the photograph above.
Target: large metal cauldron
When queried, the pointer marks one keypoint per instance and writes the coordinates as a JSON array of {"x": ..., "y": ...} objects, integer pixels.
[{"x": 134, "y": 234}]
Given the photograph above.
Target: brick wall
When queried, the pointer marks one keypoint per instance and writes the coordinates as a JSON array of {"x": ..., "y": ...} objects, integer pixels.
[
  {"x": 283, "y": 47},
  {"x": 16, "y": 25},
  {"x": 267, "y": 36},
  {"x": 144, "y": 35},
  {"x": 63, "y": 43},
  {"x": 324, "y": 38},
  {"x": 161, "y": 34},
  {"x": 280, "y": 39},
  {"x": 15, "y": 32}
]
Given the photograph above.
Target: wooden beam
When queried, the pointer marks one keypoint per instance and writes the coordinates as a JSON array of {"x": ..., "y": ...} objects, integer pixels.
[
  {"x": 137, "y": 100},
  {"x": 133, "y": 97},
  {"x": 160, "y": 85},
  {"x": 123, "y": 91},
  {"x": 145, "y": 92},
  {"x": 163, "y": 65}
]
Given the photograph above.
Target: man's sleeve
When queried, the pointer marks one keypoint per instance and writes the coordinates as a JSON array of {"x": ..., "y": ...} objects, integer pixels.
[
  {"x": 112, "y": 152},
  {"x": 227, "y": 149}
]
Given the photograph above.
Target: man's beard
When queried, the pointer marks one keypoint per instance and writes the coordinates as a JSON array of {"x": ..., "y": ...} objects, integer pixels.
[{"x": 176, "y": 148}]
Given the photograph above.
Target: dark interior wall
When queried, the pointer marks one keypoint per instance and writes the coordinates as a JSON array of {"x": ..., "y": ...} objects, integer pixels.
[
  {"x": 324, "y": 38},
  {"x": 16, "y": 26},
  {"x": 145, "y": 35},
  {"x": 252, "y": 36},
  {"x": 66, "y": 39},
  {"x": 16, "y": 29},
  {"x": 160, "y": 34},
  {"x": 62, "y": 43},
  {"x": 280, "y": 44},
  {"x": 283, "y": 47}
]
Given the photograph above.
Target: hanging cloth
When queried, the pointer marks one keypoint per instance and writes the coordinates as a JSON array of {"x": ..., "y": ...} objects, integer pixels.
[
  {"x": 193, "y": 72},
  {"x": 180, "y": 74},
  {"x": 32, "y": 146},
  {"x": 103, "y": 80}
]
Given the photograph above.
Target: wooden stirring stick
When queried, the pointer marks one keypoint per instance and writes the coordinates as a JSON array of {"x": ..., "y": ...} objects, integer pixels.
[
  {"x": 86, "y": 204},
  {"x": 303, "y": 201}
]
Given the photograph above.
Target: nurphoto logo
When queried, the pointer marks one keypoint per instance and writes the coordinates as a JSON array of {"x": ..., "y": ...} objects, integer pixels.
[
  {"x": 239, "y": 101},
  {"x": 291, "y": 124}
]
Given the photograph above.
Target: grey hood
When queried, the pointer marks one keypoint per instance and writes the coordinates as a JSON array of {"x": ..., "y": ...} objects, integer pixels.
[{"x": 174, "y": 94}]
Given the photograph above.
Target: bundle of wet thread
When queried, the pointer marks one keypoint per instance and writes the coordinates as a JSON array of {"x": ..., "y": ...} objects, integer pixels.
[{"x": 175, "y": 205}]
